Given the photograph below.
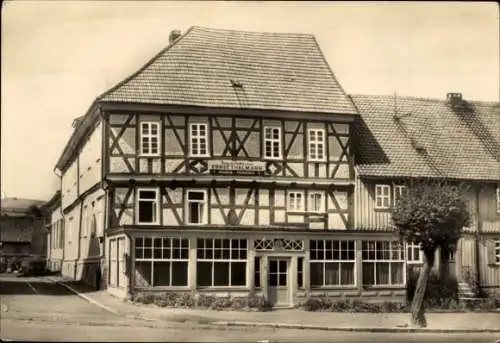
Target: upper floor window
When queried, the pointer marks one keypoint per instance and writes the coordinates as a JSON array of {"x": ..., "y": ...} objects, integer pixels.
[
  {"x": 85, "y": 221},
  {"x": 295, "y": 201},
  {"x": 198, "y": 140},
  {"x": 196, "y": 207},
  {"x": 150, "y": 137},
  {"x": 147, "y": 206},
  {"x": 399, "y": 191},
  {"x": 316, "y": 202},
  {"x": 316, "y": 144},
  {"x": 498, "y": 199},
  {"x": 382, "y": 196},
  {"x": 272, "y": 142}
]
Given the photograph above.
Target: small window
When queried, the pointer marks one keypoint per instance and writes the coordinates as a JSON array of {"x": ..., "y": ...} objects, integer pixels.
[
  {"x": 316, "y": 203},
  {"x": 295, "y": 201},
  {"x": 147, "y": 204},
  {"x": 399, "y": 191},
  {"x": 196, "y": 207},
  {"x": 300, "y": 272},
  {"x": 498, "y": 199},
  {"x": 150, "y": 136},
  {"x": 198, "y": 140},
  {"x": 316, "y": 144},
  {"x": 257, "y": 272},
  {"x": 272, "y": 142},
  {"x": 382, "y": 196}
]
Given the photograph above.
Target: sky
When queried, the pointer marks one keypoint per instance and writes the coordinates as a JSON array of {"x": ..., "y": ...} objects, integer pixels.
[{"x": 58, "y": 56}]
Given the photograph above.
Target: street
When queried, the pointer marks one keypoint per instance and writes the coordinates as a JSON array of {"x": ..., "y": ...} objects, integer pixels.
[{"x": 38, "y": 309}]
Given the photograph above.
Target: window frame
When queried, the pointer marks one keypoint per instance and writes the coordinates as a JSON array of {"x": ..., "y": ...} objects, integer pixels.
[
  {"x": 229, "y": 260},
  {"x": 413, "y": 246},
  {"x": 156, "y": 202},
  {"x": 390, "y": 261},
  {"x": 316, "y": 144},
  {"x": 198, "y": 138},
  {"x": 187, "y": 218},
  {"x": 302, "y": 201},
  {"x": 333, "y": 260},
  {"x": 310, "y": 202},
  {"x": 382, "y": 196},
  {"x": 149, "y": 136},
  {"x": 170, "y": 259},
  {"x": 272, "y": 141},
  {"x": 398, "y": 191}
]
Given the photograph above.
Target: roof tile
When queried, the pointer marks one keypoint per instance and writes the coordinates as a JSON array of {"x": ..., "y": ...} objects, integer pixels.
[{"x": 278, "y": 71}]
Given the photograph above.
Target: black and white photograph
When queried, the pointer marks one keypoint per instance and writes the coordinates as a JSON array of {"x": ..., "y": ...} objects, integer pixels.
[{"x": 250, "y": 171}]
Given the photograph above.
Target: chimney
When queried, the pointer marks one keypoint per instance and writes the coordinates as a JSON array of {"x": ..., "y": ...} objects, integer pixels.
[
  {"x": 174, "y": 35},
  {"x": 454, "y": 99}
]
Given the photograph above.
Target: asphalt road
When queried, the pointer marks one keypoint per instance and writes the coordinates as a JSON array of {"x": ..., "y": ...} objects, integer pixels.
[{"x": 34, "y": 309}]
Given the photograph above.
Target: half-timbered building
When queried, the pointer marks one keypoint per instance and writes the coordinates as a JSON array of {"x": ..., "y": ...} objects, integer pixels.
[
  {"x": 223, "y": 165},
  {"x": 402, "y": 138}
]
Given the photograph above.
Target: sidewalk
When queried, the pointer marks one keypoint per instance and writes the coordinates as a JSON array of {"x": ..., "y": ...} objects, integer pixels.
[{"x": 292, "y": 318}]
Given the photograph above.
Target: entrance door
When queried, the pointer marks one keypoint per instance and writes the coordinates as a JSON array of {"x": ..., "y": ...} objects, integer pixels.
[
  {"x": 278, "y": 281},
  {"x": 452, "y": 264}
]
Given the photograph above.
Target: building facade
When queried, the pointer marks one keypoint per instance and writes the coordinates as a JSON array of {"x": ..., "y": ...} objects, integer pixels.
[
  {"x": 226, "y": 165},
  {"x": 403, "y": 138}
]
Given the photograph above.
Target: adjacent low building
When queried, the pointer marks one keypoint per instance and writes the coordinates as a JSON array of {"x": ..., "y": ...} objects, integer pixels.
[{"x": 21, "y": 230}]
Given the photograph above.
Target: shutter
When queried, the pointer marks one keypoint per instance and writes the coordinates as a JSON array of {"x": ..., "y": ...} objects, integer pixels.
[{"x": 490, "y": 248}]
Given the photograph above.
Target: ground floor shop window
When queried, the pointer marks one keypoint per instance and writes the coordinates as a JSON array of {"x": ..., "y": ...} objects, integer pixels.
[
  {"x": 332, "y": 262},
  {"x": 161, "y": 261},
  {"x": 383, "y": 263},
  {"x": 221, "y": 262}
]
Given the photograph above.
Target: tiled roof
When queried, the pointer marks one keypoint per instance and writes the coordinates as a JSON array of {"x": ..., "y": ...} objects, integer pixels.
[
  {"x": 277, "y": 71},
  {"x": 430, "y": 139}
]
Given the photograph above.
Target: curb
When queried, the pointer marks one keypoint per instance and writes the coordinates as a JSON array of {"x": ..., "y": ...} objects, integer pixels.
[
  {"x": 90, "y": 300},
  {"x": 347, "y": 329}
]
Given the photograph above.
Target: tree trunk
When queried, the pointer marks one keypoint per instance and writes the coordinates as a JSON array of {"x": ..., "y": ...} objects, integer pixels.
[
  {"x": 444, "y": 263},
  {"x": 417, "y": 305}
]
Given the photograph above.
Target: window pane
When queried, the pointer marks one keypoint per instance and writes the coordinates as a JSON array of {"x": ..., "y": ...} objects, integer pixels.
[
  {"x": 382, "y": 272},
  {"x": 147, "y": 194},
  {"x": 179, "y": 273},
  {"x": 161, "y": 273},
  {"x": 368, "y": 273},
  {"x": 238, "y": 274},
  {"x": 142, "y": 273},
  {"x": 196, "y": 195},
  {"x": 257, "y": 272},
  {"x": 347, "y": 273},
  {"x": 146, "y": 212},
  {"x": 282, "y": 279},
  {"x": 316, "y": 274},
  {"x": 397, "y": 273},
  {"x": 331, "y": 273},
  {"x": 221, "y": 273},
  {"x": 194, "y": 212},
  {"x": 204, "y": 274}
]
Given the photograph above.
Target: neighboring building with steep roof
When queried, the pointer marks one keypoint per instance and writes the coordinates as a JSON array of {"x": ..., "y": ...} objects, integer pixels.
[
  {"x": 21, "y": 228},
  {"x": 400, "y": 138}
]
